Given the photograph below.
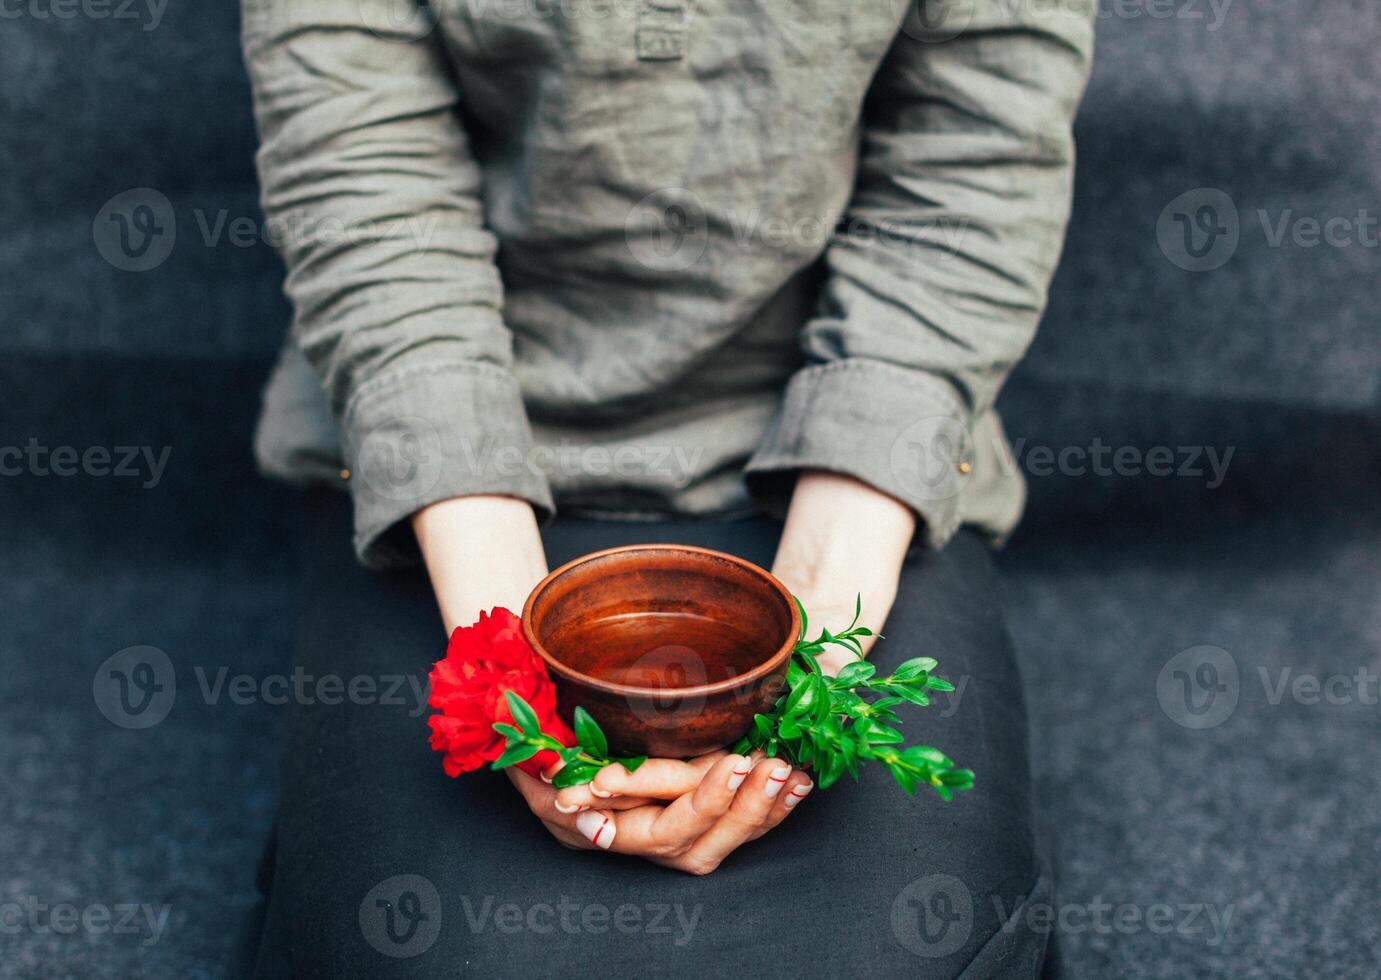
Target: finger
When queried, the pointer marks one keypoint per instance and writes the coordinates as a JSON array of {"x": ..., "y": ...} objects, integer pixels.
[
  {"x": 659, "y": 779},
  {"x": 598, "y": 827},
  {"x": 686, "y": 819},
  {"x": 541, "y": 800},
  {"x": 796, "y": 789},
  {"x": 568, "y": 838},
  {"x": 657, "y": 831},
  {"x": 751, "y": 806},
  {"x": 617, "y": 803}
]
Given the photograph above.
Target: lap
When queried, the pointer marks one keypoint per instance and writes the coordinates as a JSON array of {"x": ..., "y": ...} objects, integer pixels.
[{"x": 385, "y": 867}]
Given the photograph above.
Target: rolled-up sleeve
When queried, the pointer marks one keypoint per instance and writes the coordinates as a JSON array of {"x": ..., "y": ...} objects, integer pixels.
[
  {"x": 938, "y": 274},
  {"x": 371, "y": 194}
]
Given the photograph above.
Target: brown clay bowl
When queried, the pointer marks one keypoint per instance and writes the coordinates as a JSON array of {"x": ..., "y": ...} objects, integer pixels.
[{"x": 671, "y": 648}]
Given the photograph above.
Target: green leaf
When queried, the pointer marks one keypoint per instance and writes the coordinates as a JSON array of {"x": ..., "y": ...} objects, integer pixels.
[
  {"x": 958, "y": 778},
  {"x": 831, "y": 768},
  {"x": 742, "y": 746},
  {"x": 877, "y": 733},
  {"x": 589, "y": 735},
  {"x": 569, "y": 754},
  {"x": 508, "y": 731},
  {"x": 788, "y": 728},
  {"x": 523, "y": 714},
  {"x": 938, "y": 683},
  {"x": 809, "y": 657},
  {"x": 575, "y": 774},
  {"x": 515, "y": 754},
  {"x": 632, "y": 762},
  {"x": 906, "y": 778},
  {"x": 855, "y": 674},
  {"x": 804, "y": 695},
  {"x": 804, "y": 618},
  {"x": 925, "y": 755},
  {"x": 916, "y": 665},
  {"x": 910, "y": 694}
]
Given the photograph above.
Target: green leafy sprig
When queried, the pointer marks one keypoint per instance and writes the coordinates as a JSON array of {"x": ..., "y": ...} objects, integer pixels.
[
  {"x": 588, "y": 756},
  {"x": 830, "y": 724},
  {"x": 827, "y": 724}
]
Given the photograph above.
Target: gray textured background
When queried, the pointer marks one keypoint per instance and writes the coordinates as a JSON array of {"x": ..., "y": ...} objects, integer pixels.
[{"x": 1273, "y": 813}]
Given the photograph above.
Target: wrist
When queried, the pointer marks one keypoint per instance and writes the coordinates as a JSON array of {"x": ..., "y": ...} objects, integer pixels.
[
  {"x": 842, "y": 534},
  {"x": 481, "y": 551}
]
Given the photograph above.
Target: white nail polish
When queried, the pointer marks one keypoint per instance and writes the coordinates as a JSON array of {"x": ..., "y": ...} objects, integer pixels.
[
  {"x": 562, "y": 808},
  {"x": 797, "y": 794},
  {"x": 597, "y": 828},
  {"x": 544, "y": 777},
  {"x": 776, "y": 780},
  {"x": 741, "y": 770},
  {"x": 603, "y": 794}
]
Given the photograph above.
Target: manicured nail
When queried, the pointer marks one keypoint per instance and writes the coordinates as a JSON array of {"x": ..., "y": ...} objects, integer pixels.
[
  {"x": 742, "y": 768},
  {"x": 596, "y": 827},
  {"x": 776, "y": 780},
  {"x": 544, "y": 777},
  {"x": 603, "y": 794},
  {"x": 563, "y": 808},
  {"x": 797, "y": 794}
]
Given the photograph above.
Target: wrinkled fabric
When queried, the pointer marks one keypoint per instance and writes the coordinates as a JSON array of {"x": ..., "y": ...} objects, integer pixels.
[{"x": 643, "y": 258}]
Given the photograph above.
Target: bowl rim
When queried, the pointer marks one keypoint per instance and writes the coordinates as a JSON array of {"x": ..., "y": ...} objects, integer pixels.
[{"x": 772, "y": 664}]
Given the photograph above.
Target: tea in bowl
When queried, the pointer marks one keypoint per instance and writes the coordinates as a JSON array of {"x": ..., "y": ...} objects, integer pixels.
[{"x": 671, "y": 648}]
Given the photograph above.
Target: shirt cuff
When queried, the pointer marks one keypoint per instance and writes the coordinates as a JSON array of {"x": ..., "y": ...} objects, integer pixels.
[
  {"x": 421, "y": 434},
  {"x": 902, "y": 431}
]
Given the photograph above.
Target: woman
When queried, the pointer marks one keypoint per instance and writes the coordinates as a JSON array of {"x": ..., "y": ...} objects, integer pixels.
[{"x": 673, "y": 268}]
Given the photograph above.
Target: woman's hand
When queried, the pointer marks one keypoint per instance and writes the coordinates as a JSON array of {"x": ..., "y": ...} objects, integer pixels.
[
  {"x": 481, "y": 552},
  {"x": 714, "y": 804},
  {"x": 843, "y": 539}
]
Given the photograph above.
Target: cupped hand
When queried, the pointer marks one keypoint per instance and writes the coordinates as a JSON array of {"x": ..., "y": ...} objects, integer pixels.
[{"x": 702, "y": 812}]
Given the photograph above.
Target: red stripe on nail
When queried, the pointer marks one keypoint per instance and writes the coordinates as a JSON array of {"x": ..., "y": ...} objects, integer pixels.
[
  {"x": 601, "y": 830},
  {"x": 778, "y": 779},
  {"x": 743, "y": 773}
]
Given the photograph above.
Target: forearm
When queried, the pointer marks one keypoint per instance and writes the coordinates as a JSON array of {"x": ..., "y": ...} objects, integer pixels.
[
  {"x": 481, "y": 551},
  {"x": 843, "y": 539}
]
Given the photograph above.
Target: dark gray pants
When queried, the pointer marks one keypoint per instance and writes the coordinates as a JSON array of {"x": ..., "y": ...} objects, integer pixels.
[{"x": 383, "y": 867}]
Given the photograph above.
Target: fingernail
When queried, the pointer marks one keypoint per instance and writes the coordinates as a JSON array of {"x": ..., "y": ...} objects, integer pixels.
[
  {"x": 544, "y": 777},
  {"x": 797, "y": 794},
  {"x": 776, "y": 781},
  {"x": 575, "y": 808},
  {"x": 596, "y": 827},
  {"x": 603, "y": 794},
  {"x": 742, "y": 767}
]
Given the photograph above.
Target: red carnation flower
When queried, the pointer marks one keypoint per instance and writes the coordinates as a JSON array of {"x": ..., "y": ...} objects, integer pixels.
[{"x": 467, "y": 687}]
